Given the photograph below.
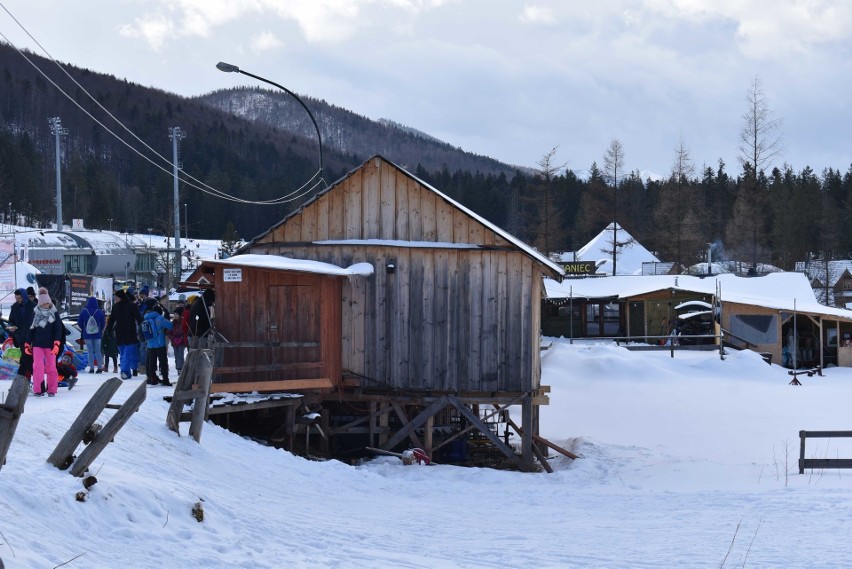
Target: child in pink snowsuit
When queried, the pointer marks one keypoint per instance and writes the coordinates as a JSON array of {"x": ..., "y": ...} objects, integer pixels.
[{"x": 43, "y": 342}]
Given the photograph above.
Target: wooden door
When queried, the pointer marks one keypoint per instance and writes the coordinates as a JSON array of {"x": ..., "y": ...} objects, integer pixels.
[{"x": 294, "y": 322}]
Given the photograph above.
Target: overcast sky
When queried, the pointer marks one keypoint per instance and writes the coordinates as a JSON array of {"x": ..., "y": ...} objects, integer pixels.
[{"x": 505, "y": 79}]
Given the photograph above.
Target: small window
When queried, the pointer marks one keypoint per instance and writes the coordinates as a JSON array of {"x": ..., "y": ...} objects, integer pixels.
[{"x": 755, "y": 328}]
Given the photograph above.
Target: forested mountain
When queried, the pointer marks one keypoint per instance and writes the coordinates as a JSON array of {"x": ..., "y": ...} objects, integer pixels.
[
  {"x": 259, "y": 145},
  {"x": 349, "y": 133}
]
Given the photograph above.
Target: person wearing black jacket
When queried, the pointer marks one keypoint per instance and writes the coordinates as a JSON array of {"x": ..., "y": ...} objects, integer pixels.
[
  {"x": 20, "y": 320},
  {"x": 199, "y": 319},
  {"x": 123, "y": 321},
  {"x": 44, "y": 342}
]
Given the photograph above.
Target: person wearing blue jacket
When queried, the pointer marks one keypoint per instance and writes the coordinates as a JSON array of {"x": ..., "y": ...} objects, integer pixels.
[
  {"x": 43, "y": 343},
  {"x": 154, "y": 326},
  {"x": 92, "y": 322}
]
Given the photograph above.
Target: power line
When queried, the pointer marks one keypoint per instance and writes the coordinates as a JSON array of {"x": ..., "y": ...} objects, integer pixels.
[{"x": 294, "y": 195}]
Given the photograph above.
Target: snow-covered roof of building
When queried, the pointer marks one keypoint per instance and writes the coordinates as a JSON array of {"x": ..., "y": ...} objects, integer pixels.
[
  {"x": 277, "y": 262},
  {"x": 104, "y": 242},
  {"x": 599, "y": 250},
  {"x": 782, "y": 291},
  {"x": 46, "y": 239}
]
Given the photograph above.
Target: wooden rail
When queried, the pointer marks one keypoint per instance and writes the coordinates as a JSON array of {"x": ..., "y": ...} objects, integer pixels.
[{"x": 822, "y": 462}]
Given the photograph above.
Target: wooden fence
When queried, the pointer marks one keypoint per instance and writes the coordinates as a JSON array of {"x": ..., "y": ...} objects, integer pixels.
[{"x": 822, "y": 462}]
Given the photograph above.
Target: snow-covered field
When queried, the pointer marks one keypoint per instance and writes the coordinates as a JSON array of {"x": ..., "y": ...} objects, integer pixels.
[{"x": 687, "y": 462}]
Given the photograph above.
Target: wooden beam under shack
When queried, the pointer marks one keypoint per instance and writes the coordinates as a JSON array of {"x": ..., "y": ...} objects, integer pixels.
[{"x": 282, "y": 385}]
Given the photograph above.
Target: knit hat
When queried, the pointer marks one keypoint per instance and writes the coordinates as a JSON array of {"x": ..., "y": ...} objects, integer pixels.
[
  {"x": 144, "y": 290},
  {"x": 120, "y": 294},
  {"x": 43, "y": 296}
]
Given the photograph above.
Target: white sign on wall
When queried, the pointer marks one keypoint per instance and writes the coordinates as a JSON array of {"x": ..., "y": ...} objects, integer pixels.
[{"x": 232, "y": 275}]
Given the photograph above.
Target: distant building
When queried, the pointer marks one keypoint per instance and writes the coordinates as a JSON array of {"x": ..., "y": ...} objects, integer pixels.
[{"x": 630, "y": 257}]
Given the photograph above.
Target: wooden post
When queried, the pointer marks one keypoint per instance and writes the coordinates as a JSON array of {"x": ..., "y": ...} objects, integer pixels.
[
  {"x": 193, "y": 384},
  {"x": 802, "y": 436},
  {"x": 290, "y": 418},
  {"x": 415, "y": 423},
  {"x": 107, "y": 434},
  {"x": 10, "y": 413},
  {"x": 384, "y": 421},
  {"x": 527, "y": 437},
  {"x": 325, "y": 426},
  {"x": 63, "y": 454},
  {"x": 483, "y": 428},
  {"x": 372, "y": 433},
  {"x": 427, "y": 437}
]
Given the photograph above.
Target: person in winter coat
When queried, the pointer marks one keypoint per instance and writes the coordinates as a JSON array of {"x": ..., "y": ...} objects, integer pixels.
[
  {"x": 110, "y": 349},
  {"x": 154, "y": 326},
  {"x": 67, "y": 370},
  {"x": 44, "y": 343},
  {"x": 92, "y": 323},
  {"x": 178, "y": 338},
  {"x": 199, "y": 319},
  {"x": 123, "y": 321},
  {"x": 20, "y": 320}
]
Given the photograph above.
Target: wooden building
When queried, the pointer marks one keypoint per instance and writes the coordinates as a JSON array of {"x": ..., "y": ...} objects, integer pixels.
[
  {"x": 765, "y": 314},
  {"x": 448, "y": 323}
]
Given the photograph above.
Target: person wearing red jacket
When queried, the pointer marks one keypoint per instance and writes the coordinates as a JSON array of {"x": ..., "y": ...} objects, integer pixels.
[{"x": 44, "y": 342}]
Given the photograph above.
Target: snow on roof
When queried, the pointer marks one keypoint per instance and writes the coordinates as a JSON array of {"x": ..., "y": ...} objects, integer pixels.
[
  {"x": 599, "y": 250},
  {"x": 782, "y": 291},
  {"x": 45, "y": 239},
  {"x": 277, "y": 262},
  {"x": 104, "y": 242}
]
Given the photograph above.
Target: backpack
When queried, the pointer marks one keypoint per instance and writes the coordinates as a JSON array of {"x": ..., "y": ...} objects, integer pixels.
[
  {"x": 92, "y": 325},
  {"x": 147, "y": 329}
]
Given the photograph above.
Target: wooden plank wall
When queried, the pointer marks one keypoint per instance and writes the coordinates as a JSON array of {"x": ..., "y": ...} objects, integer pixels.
[
  {"x": 380, "y": 201},
  {"x": 243, "y": 314},
  {"x": 446, "y": 318}
]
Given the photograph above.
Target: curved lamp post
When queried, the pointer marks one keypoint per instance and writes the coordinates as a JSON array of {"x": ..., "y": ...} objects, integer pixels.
[{"x": 228, "y": 68}]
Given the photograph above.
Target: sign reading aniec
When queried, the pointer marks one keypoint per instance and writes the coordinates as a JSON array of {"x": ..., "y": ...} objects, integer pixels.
[{"x": 579, "y": 268}]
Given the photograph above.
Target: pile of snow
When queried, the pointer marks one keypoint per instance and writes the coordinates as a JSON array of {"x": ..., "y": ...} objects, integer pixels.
[{"x": 686, "y": 462}]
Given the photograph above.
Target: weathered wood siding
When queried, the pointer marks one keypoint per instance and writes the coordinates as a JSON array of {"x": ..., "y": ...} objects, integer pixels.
[
  {"x": 281, "y": 306},
  {"x": 447, "y": 318},
  {"x": 379, "y": 201}
]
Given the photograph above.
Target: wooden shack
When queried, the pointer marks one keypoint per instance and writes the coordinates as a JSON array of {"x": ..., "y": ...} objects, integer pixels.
[
  {"x": 279, "y": 322},
  {"x": 447, "y": 324}
]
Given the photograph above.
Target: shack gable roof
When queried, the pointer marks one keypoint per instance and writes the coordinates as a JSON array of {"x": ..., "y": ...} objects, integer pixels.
[
  {"x": 781, "y": 291},
  {"x": 551, "y": 268},
  {"x": 279, "y": 263}
]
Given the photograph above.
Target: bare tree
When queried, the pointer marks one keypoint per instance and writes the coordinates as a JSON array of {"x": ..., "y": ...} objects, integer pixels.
[
  {"x": 760, "y": 141},
  {"x": 613, "y": 166},
  {"x": 548, "y": 170}
]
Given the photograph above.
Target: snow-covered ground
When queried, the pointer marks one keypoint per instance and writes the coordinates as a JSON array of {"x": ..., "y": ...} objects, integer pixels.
[{"x": 686, "y": 462}]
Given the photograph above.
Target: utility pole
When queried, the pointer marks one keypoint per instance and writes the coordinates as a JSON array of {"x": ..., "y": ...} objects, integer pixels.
[
  {"x": 176, "y": 134},
  {"x": 57, "y": 130}
]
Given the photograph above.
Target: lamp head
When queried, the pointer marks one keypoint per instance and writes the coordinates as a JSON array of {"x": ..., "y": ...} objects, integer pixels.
[{"x": 227, "y": 67}]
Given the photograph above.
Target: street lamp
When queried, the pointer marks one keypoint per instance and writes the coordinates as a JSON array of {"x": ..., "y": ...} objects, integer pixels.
[{"x": 228, "y": 68}]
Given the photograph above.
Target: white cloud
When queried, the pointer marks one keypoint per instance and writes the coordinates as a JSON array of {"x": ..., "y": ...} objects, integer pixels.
[
  {"x": 265, "y": 41},
  {"x": 532, "y": 14},
  {"x": 769, "y": 29},
  {"x": 154, "y": 29}
]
